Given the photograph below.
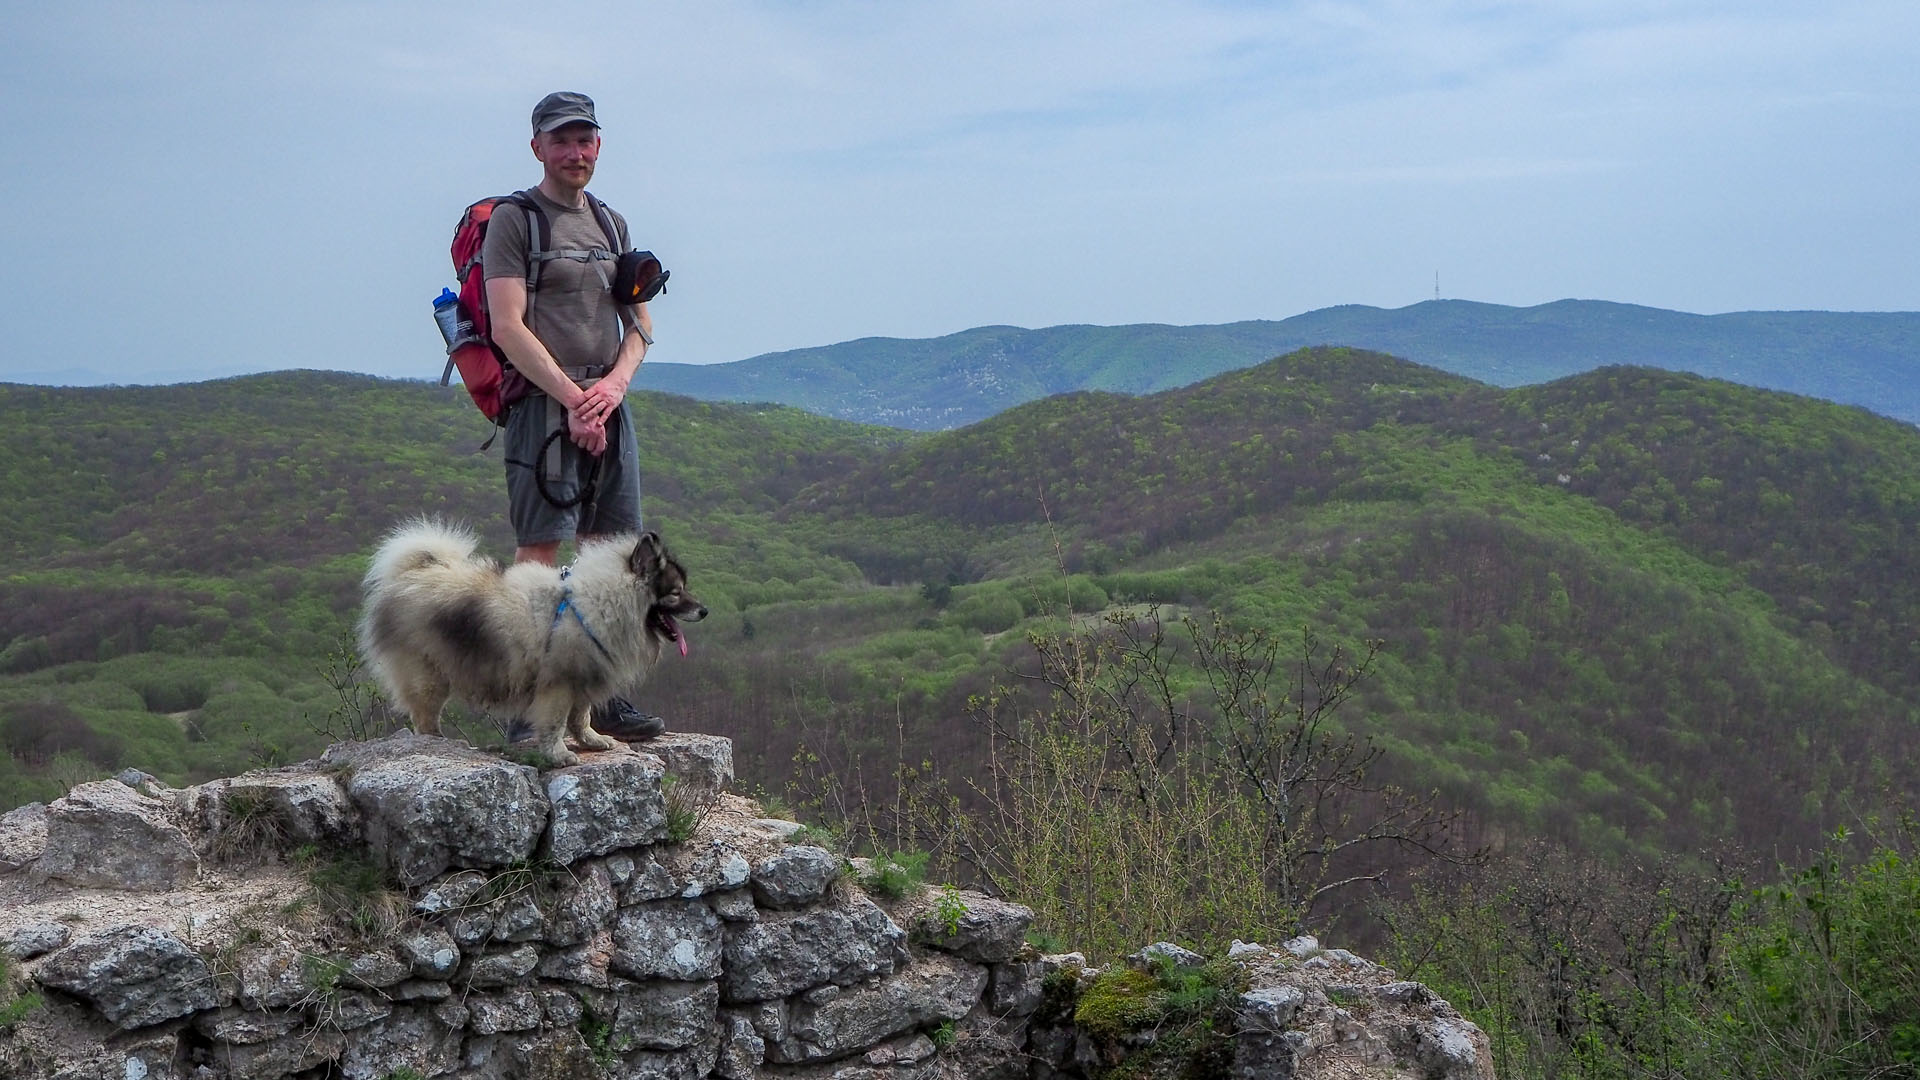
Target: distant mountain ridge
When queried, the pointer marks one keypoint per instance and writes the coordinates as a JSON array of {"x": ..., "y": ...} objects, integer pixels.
[{"x": 1870, "y": 359}]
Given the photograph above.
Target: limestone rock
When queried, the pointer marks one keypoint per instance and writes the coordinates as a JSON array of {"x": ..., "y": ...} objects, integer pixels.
[
  {"x": 701, "y": 765},
  {"x": 451, "y": 893},
  {"x": 296, "y": 805},
  {"x": 1334, "y": 959},
  {"x": 734, "y": 905},
  {"x": 107, "y": 835},
  {"x": 1271, "y": 1008},
  {"x": 410, "y": 1038},
  {"x": 517, "y": 917},
  {"x": 668, "y": 939},
  {"x": 349, "y": 1011},
  {"x": 36, "y": 939},
  {"x": 502, "y": 969},
  {"x": 1304, "y": 946},
  {"x": 909, "y": 1050},
  {"x": 620, "y": 867},
  {"x": 586, "y": 963},
  {"x": 779, "y": 827},
  {"x": 650, "y": 882},
  {"x": 666, "y": 1015},
  {"x": 1167, "y": 952},
  {"x": 377, "y": 970},
  {"x": 689, "y": 1064},
  {"x": 560, "y": 1008},
  {"x": 1016, "y": 987},
  {"x": 23, "y": 836},
  {"x": 471, "y": 929},
  {"x": 794, "y": 877},
  {"x": 1263, "y": 1055},
  {"x": 972, "y": 925},
  {"x": 603, "y": 805},
  {"x": 247, "y": 1027},
  {"x": 282, "y": 1056},
  {"x": 786, "y": 952},
  {"x": 143, "y": 782},
  {"x": 1443, "y": 1045},
  {"x": 420, "y": 990},
  {"x": 431, "y": 952},
  {"x": 716, "y": 869},
  {"x": 741, "y": 1049},
  {"x": 510, "y": 1010},
  {"x": 428, "y": 804},
  {"x": 937, "y": 989},
  {"x": 585, "y": 906},
  {"x": 1404, "y": 993},
  {"x": 135, "y": 975},
  {"x": 769, "y": 1018},
  {"x": 274, "y": 977}
]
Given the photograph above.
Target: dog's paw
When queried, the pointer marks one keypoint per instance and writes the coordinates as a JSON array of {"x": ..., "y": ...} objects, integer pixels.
[
  {"x": 593, "y": 740},
  {"x": 560, "y": 757}
]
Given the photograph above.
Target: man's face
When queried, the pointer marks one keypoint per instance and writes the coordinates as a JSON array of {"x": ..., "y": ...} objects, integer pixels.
[{"x": 569, "y": 153}]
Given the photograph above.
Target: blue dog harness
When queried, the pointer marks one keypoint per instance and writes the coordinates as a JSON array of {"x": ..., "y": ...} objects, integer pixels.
[{"x": 566, "y": 605}]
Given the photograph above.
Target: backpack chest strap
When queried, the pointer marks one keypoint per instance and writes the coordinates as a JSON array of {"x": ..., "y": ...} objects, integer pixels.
[
  {"x": 580, "y": 254},
  {"x": 593, "y": 257}
]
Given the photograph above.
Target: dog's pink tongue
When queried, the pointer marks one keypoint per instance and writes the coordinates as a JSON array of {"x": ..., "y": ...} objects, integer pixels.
[{"x": 683, "y": 644}]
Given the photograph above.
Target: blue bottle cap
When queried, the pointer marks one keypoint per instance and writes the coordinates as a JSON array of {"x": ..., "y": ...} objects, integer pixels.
[{"x": 446, "y": 297}]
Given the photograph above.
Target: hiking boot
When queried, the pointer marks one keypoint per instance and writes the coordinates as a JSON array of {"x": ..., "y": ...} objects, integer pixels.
[{"x": 617, "y": 718}]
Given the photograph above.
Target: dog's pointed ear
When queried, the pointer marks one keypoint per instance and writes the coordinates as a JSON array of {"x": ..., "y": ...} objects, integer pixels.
[{"x": 649, "y": 555}]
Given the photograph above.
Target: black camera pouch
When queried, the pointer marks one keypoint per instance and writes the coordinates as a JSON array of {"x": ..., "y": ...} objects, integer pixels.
[{"x": 638, "y": 277}]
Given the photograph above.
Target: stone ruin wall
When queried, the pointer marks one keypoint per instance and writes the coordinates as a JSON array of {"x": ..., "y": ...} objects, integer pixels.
[{"x": 546, "y": 924}]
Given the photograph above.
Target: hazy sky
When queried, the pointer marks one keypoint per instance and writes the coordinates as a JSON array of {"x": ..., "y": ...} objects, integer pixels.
[{"x": 198, "y": 189}]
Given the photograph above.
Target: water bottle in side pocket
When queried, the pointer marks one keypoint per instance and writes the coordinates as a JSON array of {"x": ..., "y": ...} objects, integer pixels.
[{"x": 456, "y": 328}]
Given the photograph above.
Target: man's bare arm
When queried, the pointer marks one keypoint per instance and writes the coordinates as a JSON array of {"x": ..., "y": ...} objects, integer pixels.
[
  {"x": 603, "y": 397},
  {"x": 507, "y": 309}
]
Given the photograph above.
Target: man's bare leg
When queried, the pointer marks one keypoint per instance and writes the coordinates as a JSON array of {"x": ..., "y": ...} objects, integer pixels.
[{"x": 548, "y": 553}]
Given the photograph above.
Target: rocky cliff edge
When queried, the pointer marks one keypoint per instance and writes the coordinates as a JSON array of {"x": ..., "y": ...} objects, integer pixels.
[{"x": 413, "y": 908}]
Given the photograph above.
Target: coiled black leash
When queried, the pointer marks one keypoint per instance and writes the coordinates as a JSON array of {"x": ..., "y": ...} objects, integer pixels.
[{"x": 588, "y": 489}]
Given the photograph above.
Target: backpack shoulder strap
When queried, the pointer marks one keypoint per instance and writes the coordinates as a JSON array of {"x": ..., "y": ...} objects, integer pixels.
[
  {"x": 605, "y": 217},
  {"x": 539, "y": 236}
]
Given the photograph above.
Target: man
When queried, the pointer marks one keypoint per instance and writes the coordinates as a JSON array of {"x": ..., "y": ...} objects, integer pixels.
[{"x": 578, "y": 350}]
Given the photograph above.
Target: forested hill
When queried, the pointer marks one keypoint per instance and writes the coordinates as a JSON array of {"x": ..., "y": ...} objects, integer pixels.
[
  {"x": 1619, "y": 583},
  {"x": 1858, "y": 358},
  {"x": 1632, "y": 610}
]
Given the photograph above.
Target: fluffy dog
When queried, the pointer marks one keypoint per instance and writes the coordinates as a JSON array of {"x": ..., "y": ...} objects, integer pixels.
[{"x": 530, "y": 640}]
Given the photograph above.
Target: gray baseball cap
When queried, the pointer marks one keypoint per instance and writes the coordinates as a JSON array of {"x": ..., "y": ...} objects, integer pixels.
[{"x": 562, "y": 107}]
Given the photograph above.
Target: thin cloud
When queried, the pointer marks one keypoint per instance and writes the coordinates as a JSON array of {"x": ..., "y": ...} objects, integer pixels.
[{"x": 286, "y": 176}]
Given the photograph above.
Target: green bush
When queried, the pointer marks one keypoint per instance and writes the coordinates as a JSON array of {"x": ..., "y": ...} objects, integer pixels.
[
  {"x": 1055, "y": 596},
  {"x": 1824, "y": 979},
  {"x": 893, "y": 875},
  {"x": 1579, "y": 968},
  {"x": 172, "y": 687},
  {"x": 988, "y": 610}
]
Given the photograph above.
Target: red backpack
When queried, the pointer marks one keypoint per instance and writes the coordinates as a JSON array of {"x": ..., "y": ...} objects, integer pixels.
[{"x": 489, "y": 376}]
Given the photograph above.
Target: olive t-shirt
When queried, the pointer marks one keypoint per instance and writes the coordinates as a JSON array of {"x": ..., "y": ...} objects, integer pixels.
[{"x": 573, "y": 313}]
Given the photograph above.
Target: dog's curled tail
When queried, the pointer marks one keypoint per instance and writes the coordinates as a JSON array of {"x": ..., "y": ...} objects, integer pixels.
[{"x": 417, "y": 545}]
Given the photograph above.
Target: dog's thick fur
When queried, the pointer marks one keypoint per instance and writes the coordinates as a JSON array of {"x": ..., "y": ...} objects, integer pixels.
[{"x": 441, "y": 621}]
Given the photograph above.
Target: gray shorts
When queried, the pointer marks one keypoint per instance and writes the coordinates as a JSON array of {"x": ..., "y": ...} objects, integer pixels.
[{"x": 615, "y": 506}]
